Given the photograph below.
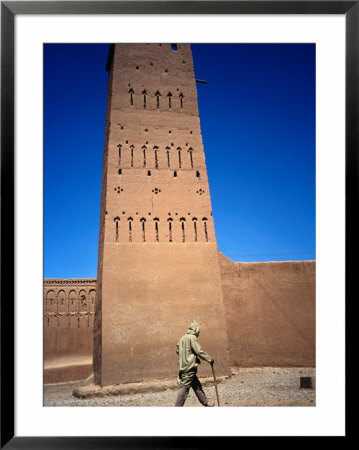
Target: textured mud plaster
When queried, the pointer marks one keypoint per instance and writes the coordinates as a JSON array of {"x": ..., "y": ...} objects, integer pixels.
[
  {"x": 158, "y": 259},
  {"x": 68, "y": 328},
  {"x": 270, "y": 312}
]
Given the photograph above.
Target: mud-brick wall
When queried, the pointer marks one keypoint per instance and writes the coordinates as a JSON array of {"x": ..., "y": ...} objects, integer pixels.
[
  {"x": 68, "y": 328},
  {"x": 270, "y": 312}
]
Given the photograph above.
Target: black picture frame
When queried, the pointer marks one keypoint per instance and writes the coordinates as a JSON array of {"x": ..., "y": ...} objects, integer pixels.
[{"x": 9, "y": 10}]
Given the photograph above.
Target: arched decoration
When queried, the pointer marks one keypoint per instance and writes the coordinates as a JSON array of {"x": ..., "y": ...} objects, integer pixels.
[
  {"x": 50, "y": 306},
  {"x": 50, "y": 299},
  {"x": 131, "y": 92},
  {"x": 92, "y": 298},
  {"x": 73, "y": 307},
  {"x": 61, "y": 308},
  {"x": 72, "y": 299},
  {"x": 61, "y": 297},
  {"x": 82, "y": 308},
  {"x": 82, "y": 302},
  {"x": 157, "y": 95}
]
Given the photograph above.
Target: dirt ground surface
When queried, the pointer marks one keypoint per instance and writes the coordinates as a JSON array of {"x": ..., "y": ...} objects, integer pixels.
[{"x": 261, "y": 386}]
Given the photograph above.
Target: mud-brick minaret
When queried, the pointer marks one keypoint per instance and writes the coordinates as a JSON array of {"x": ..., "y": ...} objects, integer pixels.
[{"x": 158, "y": 260}]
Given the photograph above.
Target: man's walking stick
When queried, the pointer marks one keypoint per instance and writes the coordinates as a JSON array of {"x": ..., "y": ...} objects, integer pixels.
[{"x": 215, "y": 383}]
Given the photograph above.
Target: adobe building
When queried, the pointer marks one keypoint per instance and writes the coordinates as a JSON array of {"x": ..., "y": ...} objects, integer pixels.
[
  {"x": 158, "y": 262},
  {"x": 158, "y": 258}
]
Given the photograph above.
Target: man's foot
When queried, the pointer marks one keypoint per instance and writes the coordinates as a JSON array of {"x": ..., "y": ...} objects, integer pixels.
[{"x": 208, "y": 404}]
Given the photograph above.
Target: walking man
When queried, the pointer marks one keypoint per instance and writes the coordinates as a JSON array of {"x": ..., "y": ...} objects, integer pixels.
[{"x": 189, "y": 353}]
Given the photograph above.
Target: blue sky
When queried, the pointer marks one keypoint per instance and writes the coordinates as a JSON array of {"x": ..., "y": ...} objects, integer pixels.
[{"x": 258, "y": 125}]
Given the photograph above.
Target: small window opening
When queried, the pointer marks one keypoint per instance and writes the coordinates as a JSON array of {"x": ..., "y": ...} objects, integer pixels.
[
  {"x": 120, "y": 171},
  {"x": 148, "y": 173},
  {"x": 157, "y": 95},
  {"x": 144, "y": 98},
  {"x": 119, "y": 153},
  {"x": 116, "y": 231},
  {"x": 156, "y": 156},
  {"x": 198, "y": 174},
  {"x": 143, "y": 220},
  {"x": 174, "y": 47},
  {"x": 168, "y": 156},
  {"x": 116, "y": 219},
  {"x": 190, "y": 151},
  {"x": 131, "y": 96},
  {"x": 170, "y": 229},
  {"x": 205, "y": 228},
  {"x": 181, "y": 100},
  {"x": 175, "y": 173},
  {"x": 169, "y": 95},
  {"x": 132, "y": 147},
  {"x": 179, "y": 157},
  {"x": 183, "y": 230},
  {"x": 195, "y": 229},
  {"x": 144, "y": 155},
  {"x": 156, "y": 229},
  {"x": 130, "y": 229}
]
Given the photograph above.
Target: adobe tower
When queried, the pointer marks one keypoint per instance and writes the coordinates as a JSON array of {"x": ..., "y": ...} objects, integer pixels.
[{"x": 158, "y": 262}]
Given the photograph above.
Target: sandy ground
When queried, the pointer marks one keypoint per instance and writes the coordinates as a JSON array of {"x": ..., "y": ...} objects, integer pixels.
[{"x": 264, "y": 386}]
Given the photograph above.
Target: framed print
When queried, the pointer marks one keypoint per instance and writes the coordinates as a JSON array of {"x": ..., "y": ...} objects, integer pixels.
[{"x": 65, "y": 327}]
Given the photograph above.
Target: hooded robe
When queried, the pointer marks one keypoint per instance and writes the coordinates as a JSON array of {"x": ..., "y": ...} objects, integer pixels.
[{"x": 189, "y": 353}]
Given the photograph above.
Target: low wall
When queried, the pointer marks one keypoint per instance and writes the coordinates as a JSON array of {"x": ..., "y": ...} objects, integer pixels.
[
  {"x": 68, "y": 329},
  {"x": 270, "y": 312}
]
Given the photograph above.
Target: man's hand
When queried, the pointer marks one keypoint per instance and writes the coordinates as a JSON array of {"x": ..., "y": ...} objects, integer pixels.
[{"x": 212, "y": 362}]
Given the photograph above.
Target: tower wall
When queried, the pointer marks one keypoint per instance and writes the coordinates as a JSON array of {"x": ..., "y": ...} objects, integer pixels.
[{"x": 158, "y": 259}]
